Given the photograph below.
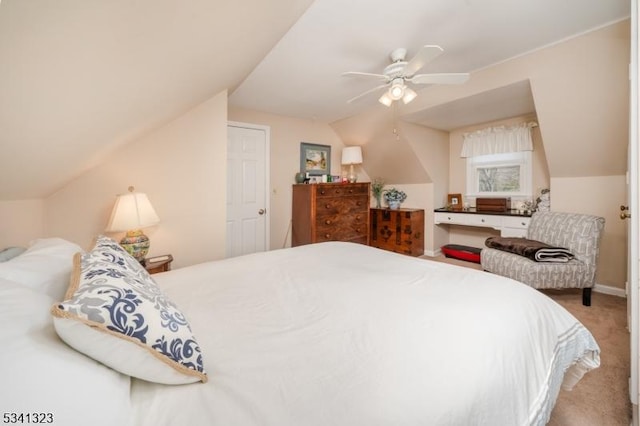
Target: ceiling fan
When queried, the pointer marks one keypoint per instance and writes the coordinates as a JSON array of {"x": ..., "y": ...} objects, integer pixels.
[{"x": 397, "y": 75}]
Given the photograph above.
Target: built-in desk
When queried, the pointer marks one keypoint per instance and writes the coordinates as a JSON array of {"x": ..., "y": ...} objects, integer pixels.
[{"x": 512, "y": 223}]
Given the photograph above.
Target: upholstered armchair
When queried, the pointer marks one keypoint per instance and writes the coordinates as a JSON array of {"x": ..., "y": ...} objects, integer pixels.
[{"x": 580, "y": 233}]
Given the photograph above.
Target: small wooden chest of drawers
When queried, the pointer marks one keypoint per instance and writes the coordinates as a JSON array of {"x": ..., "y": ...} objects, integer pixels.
[
  {"x": 330, "y": 212},
  {"x": 401, "y": 231}
]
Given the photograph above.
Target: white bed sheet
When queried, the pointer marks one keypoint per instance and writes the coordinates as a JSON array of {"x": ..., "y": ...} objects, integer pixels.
[
  {"x": 43, "y": 379},
  {"x": 344, "y": 334}
]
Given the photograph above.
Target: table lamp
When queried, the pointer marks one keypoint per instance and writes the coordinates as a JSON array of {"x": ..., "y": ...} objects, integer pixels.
[
  {"x": 352, "y": 155},
  {"x": 131, "y": 213}
]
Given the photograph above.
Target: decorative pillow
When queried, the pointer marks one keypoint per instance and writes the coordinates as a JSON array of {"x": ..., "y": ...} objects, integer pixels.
[
  {"x": 44, "y": 267},
  {"x": 115, "y": 313}
]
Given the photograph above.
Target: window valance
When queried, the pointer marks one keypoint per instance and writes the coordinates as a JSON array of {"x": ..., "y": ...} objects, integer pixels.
[{"x": 498, "y": 140}]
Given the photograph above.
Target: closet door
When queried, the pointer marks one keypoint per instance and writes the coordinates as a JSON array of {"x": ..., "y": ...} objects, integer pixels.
[{"x": 247, "y": 186}]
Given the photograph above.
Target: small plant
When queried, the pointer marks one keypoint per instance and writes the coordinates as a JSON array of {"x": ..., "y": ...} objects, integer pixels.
[
  {"x": 394, "y": 194},
  {"x": 377, "y": 187}
]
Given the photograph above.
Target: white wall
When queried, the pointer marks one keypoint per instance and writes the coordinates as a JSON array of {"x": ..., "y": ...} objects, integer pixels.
[{"x": 181, "y": 167}]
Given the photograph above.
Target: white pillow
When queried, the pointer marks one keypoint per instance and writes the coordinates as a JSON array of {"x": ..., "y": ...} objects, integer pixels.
[
  {"x": 41, "y": 374},
  {"x": 11, "y": 252},
  {"x": 115, "y": 313},
  {"x": 44, "y": 267}
]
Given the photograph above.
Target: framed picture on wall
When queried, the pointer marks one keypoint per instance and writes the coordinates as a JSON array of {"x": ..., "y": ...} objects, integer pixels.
[
  {"x": 454, "y": 201},
  {"x": 315, "y": 159}
]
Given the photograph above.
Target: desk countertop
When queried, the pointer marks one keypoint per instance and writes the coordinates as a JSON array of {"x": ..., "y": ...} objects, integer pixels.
[{"x": 472, "y": 210}]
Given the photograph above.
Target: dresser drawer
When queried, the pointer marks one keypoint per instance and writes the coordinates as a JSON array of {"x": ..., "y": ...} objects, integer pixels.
[
  {"x": 339, "y": 190},
  {"x": 331, "y": 206},
  {"x": 337, "y": 219},
  {"x": 342, "y": 228}
]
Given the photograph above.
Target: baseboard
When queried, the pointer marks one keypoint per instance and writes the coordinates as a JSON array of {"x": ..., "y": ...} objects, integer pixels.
[
  {"x": 432, "y": 253},
  {"x": 606, "y": 289}
]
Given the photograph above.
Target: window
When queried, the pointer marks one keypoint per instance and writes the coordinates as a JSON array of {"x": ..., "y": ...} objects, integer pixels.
[{"x": 504, "y": 175}]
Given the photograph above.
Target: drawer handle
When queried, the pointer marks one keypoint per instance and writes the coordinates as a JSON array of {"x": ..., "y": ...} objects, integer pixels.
[
  {"x": 327, "y": 236},
  {"x": 358, "y": 230},
  {"x": 448, "y": 217},
  {"x": 358, "y": 217},
  {"x": 327, "y": 206},
  {"x": 327, "y": 222},
  {"x": 322, "y": 192},
  {"x": 358, "y": 203},
  {"x": 337, "y": 191},
  {"x": 351, "y": 191},
  {"x": 523, "y": 224},
  {"x": 482, "y": 220}
]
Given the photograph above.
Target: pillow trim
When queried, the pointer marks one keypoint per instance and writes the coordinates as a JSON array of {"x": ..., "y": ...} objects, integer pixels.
[
  {"x": 57, "y": 312},
  {"x": 74, "y": 280}
]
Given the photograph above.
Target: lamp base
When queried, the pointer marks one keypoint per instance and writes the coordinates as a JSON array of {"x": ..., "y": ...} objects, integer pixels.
[
  {"x": 136, "y": 244},
  {"x": 353, "y": 177}
]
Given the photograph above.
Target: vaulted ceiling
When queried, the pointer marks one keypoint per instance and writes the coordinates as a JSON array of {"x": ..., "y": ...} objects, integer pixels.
[{"x": 78, "y": 78}]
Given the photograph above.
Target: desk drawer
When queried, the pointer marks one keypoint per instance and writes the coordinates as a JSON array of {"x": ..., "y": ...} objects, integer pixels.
[
  {"x": 453, "y": 218},
  {"x": 484, "y": 220},
  {"x": 516, "y": 222}
]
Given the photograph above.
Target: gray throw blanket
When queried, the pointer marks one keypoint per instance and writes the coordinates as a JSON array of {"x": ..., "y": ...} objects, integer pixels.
[{"x": 534, "y": 250}]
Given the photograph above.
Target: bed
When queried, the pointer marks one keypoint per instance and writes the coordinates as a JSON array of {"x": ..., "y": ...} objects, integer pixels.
[{"x": 323, "y": 334}]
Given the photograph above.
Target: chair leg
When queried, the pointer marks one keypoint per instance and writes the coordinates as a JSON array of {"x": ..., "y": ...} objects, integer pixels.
[{"x": 586, "y": 296}]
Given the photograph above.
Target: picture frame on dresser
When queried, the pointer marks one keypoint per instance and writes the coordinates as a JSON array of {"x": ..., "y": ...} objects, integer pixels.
[{"x": 315, "y": 159}]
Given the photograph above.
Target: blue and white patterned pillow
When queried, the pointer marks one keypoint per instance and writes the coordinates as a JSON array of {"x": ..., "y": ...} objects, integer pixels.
[{"x": 115, "y": 313}]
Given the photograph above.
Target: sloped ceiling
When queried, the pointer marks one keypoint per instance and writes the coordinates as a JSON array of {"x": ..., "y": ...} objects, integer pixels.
[
  {"x": 302, "y": 75},
  {"x": 78, "y": 78},
  {"x": 511, "y": 100}
]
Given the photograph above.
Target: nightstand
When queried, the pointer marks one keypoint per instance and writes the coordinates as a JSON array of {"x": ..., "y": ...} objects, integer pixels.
[{"x": 156, "y": 264}]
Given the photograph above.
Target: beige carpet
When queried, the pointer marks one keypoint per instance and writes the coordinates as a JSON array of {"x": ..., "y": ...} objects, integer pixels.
[{"x": 601, "y": 398}]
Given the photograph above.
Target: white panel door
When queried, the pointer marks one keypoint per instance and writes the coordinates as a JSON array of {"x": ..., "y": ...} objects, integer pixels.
[
  {"x": 247, "y": 183},
  {"x": 633, "y": 257}
]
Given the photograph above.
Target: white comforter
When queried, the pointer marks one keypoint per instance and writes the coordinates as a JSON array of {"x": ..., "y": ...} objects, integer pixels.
[{"x": 344, "y": 334}]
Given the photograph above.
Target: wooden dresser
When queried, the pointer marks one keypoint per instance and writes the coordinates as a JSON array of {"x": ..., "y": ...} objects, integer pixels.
[
  {"x": 401, "y": 231},
  {"x": 330, "y": 212}
]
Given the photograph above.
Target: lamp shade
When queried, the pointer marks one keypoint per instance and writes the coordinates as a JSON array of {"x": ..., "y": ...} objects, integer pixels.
[
  {"x": 409, "y": 95},
  {"x": 385, "y": 99},
  {"x": 132, "y": 211},
  {"x": 352, "y": 155}
]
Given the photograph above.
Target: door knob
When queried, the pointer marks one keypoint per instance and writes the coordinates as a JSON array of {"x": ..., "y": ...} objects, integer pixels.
[
  {"x": 623, "y": 212},
  {"x": 261, "y": 211}
]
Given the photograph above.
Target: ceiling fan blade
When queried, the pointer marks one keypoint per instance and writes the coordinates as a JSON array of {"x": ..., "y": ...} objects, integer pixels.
[
  {"x": 364, "y": 74},
  {"x": 442, "y": 78},
  {"x": 382, "y": 86},
  {"x": 427, "y": 54}
]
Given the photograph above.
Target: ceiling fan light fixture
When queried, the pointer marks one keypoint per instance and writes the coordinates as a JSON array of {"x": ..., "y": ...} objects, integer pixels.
[
  {"x": 394, "y": 77},
  {"x": 409, "y": 95},
  {"x": 385, "y": 99},
  {"x": 397, "y": 89}
]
